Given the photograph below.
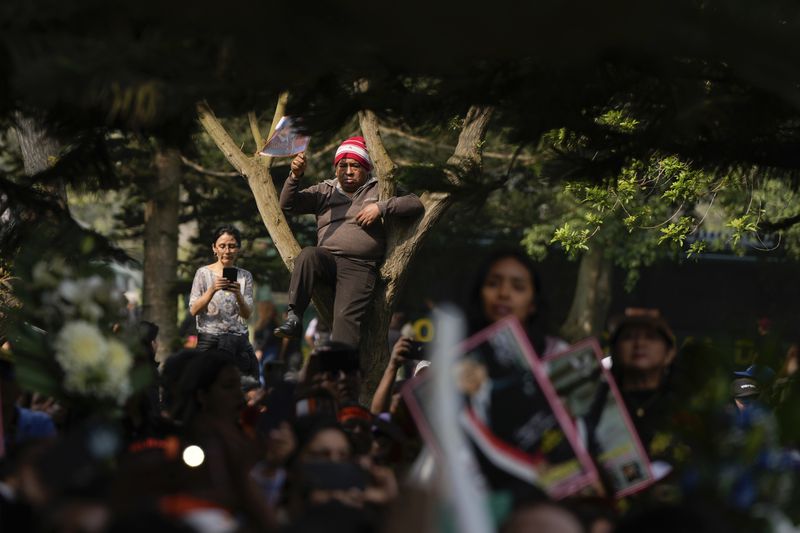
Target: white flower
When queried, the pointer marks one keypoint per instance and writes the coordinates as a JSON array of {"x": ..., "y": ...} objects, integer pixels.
[
  {"x": 80, "y": 346},
  {"x": 118, "y": 365},
  {"x": 93, "y": 365}
]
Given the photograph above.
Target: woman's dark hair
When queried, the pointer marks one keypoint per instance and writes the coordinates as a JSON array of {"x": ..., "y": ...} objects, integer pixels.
[
  {"x": 534, "y": 325},
  {"x": 148, "y": 332},
  {"x": 230, "y": 229},
  {"x": 198, "y": 375}
]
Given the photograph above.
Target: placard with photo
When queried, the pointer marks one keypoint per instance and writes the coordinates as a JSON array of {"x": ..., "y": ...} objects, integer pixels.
[
  {"x": 511, "y": 414},
  {"x": 595, "y": 406},
  {"x": 285, "y": 141}
]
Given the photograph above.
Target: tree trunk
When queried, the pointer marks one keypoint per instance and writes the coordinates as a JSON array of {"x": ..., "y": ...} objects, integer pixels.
[
  {"x": 39, "y": 152},
  {"x": 587, "y": 315},
  {"x": 159, "y": 299}
]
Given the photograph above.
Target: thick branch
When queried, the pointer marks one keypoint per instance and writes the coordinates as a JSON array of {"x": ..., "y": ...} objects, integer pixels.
[
  {"x": 245, "y": 165},
  {"x": 467, "y": 155},
  {"x": 778, "y": 225},
  {"x": 384, "y": 166}
]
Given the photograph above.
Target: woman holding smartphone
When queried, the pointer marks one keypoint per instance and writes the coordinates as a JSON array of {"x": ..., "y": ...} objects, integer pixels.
[{"x": 222, "y": 301}]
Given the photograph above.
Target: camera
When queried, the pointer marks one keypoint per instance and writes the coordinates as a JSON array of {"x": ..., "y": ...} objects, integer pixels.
[{"x": 418, "y": 351}]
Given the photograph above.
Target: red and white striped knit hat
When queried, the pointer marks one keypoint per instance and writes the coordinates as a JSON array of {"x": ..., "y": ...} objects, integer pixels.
[{"x": 354, "y": 148}]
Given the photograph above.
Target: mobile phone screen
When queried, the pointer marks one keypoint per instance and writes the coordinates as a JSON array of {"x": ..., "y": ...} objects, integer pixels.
[{"x": 230, "y": 274}]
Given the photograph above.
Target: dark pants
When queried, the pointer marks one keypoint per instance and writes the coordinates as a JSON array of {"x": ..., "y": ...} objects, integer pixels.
[
  {"x": 353, "y": 283},
  {"x": 237, "y": 345}
]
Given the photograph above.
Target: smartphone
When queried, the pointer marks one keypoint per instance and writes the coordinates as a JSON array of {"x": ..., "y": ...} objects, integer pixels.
[{"x": 230, "y": 273}]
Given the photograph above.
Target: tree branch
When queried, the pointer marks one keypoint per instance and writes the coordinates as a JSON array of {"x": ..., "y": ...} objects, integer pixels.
[
  {"x": 254, "y": 129},
  {"x": 488, "y": 154},
  {"x": 208, "y": 172},
  {"x": 467, "y": 156},
  {"x": 384, "y": 166},
  {"x": 280, "y": 109},
  {"x": 778, "y": 225},
  {"x": 242, "y": 163}
]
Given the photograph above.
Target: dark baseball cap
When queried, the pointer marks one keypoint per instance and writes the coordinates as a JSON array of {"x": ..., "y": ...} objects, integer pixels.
[{"x": 745, "y": 388}]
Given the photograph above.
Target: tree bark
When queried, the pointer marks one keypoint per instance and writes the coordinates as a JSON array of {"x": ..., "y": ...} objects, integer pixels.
[
  {"x": 587, "y": 315},
  {"x": 159, "y": 299},
  {"x": 403, "y": 239}
]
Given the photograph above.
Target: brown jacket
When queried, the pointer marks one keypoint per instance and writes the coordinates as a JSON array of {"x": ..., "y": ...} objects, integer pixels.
[{"x": 337, "y": 229}]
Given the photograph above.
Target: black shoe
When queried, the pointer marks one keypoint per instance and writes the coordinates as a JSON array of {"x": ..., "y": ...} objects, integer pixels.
[{"x": 291, "y": 329}]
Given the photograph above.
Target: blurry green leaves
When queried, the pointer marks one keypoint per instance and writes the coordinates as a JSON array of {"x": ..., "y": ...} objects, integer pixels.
[
  {"x": 741, "y": 225},
  {"x": 695, "y": 248},
  {"x": 645, "y": 212},
  {"x": 571, "y": 239},
  {"x": 619, "y": 120},
  {"x": 536, "y": 239},
  {"x": 676, "y": 232}
]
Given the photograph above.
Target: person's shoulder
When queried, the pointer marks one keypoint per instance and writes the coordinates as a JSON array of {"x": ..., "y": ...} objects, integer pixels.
[
  {"x": 201, "y": 273},
  {"x": 245, "y": 273}
]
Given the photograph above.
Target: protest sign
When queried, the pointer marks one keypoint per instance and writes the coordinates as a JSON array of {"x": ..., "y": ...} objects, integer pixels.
[
  {"x": 511, "y": 414},
  {"x": 588, "y": 391},
  {"x": 285, "y": 141}
]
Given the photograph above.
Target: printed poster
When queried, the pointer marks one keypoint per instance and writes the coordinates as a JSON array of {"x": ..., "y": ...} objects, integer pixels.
[
  {"x": 511, "y": 414},
  {"x": 285, "y": 141},
  {"x": 599, "y": 416}
]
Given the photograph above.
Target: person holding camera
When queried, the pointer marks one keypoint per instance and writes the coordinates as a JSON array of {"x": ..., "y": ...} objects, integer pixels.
[{"x": 221, "y": 301}]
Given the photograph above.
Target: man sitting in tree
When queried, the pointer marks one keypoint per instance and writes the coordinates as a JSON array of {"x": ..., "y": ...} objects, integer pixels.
[{"x": 351, "y": 238}]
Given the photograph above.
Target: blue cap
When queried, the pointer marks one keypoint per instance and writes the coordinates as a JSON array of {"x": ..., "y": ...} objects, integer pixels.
[{"x": 760, "y": 373}]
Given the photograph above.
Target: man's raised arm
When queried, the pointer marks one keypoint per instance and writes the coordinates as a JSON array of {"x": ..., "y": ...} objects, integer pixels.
[{"x": 293, "y": 200}]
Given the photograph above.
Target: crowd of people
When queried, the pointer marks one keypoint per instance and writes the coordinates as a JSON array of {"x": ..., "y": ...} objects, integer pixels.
[
  {"x": 214, "y": 446},
  {"x": 225, "y": 438}
]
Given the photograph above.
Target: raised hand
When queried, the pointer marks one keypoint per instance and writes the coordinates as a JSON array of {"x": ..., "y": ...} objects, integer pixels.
[{"x": 299, "y": 164}]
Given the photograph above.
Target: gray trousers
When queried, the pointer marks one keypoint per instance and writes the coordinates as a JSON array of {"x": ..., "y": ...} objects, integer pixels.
[{"x": 353, "y": 282}]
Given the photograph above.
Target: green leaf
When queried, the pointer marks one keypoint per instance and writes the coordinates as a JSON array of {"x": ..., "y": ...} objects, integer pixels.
[
  {"x": 573, "y": 240},
  {"x": 696, "y": 248}
]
